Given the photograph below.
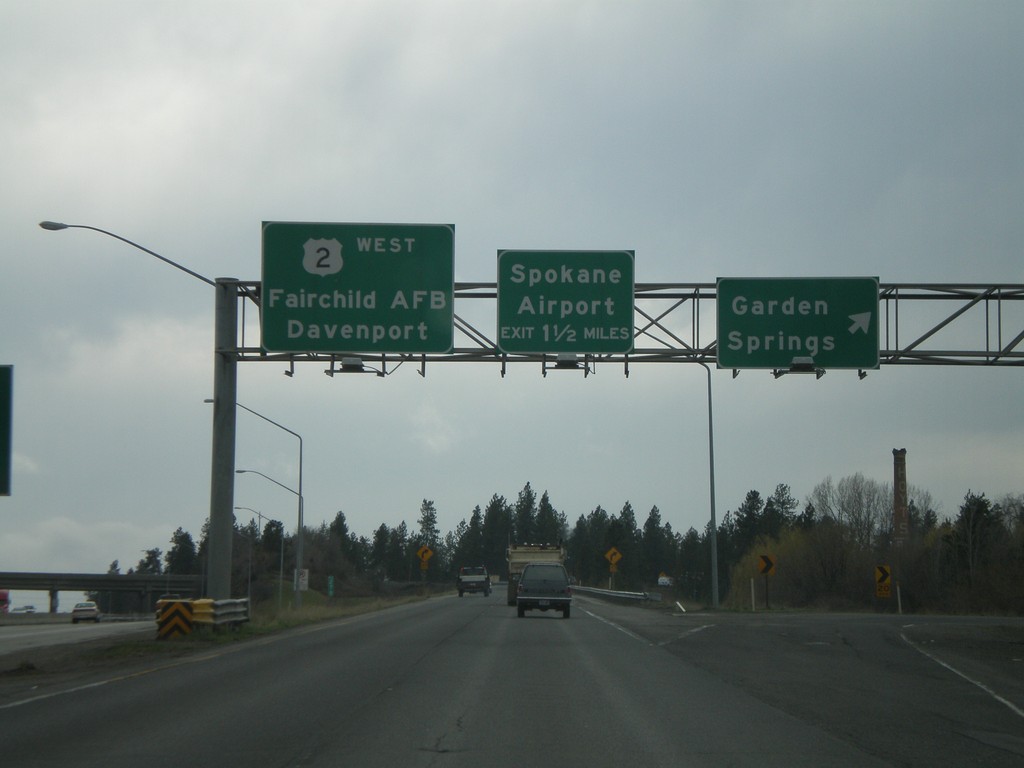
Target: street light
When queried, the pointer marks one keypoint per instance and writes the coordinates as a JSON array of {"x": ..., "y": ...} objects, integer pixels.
[
  {"x": 714, "y": 522},
  {"x": 55, "y": 226},
  {"x": 222, "y": 459},
  {"x": 299, "y": 540},
  {"x": 298, "y": 562},
  {"x": 280, "y": 570}
]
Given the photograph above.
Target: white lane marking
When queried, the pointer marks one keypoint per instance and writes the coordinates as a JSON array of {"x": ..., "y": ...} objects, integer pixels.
[
  {"x": 620, "y": 628},
  {"x": 688, "y": 632},
  {"x": 644, "y": 640},
  {"x": 1009, "y": 704}
]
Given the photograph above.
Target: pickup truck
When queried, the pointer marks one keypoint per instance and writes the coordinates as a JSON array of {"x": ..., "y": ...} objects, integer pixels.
[{"x": 473, "y": 578}]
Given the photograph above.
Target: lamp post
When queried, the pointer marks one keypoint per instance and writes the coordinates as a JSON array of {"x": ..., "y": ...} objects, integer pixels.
[
  {"x": 222, "y": 459},
  {"x": 280, "y": 570},
  {"x": 298, "y": 562},
  {"x": 300, "y": 537},
  {"x": 714, "y": 522}
]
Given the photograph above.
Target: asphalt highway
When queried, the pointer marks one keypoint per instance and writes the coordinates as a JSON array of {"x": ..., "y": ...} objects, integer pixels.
[
  {"x": 22, "y": 635},
  {"x": 463, "y": 682}
]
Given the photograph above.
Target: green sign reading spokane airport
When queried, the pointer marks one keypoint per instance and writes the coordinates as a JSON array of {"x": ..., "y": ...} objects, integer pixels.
[
  {"x": 828, "y": 322},
  {"x": 360, "y": 288},
  {"x": 565, "y": 302}
]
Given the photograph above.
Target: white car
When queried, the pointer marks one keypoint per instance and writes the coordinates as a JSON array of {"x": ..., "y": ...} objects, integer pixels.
[{"x": 85, "y": 611}]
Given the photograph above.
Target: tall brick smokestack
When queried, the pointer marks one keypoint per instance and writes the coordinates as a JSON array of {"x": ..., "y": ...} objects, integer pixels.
[{"x": 900, "y": 512}]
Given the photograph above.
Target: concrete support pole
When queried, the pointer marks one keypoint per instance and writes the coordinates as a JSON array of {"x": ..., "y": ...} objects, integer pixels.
[{"x": 222, "y": 463}]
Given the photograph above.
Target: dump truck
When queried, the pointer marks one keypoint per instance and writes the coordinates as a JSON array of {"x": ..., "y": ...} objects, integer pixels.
[{"x": 518, "y": 555}]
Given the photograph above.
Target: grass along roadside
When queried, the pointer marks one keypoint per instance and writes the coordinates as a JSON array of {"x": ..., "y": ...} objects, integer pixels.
[{"x": 62, "y": 663}]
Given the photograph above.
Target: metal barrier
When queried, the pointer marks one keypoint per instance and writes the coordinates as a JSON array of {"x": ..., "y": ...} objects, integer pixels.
[
  {"x": 217, "y": 613},
  {"x": 173, "y": 618},
  {"x": 611, "y": 594},
  {"x": 179, "y": 617}
]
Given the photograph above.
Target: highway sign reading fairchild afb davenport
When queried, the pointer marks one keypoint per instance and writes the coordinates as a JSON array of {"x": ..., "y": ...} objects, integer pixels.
[
  {"x": 827, "y": 322},
  {"x": 358, "y": 287}
]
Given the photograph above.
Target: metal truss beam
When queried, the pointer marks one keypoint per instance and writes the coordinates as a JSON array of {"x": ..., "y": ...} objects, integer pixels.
[{"x": 920, "y": 324}]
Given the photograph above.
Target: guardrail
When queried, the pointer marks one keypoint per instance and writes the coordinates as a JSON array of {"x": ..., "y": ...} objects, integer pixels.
[
  {"x": 611, "y": 594},
  {"x": 179, "y": 617},
  {"x": 219, "y": 612}
]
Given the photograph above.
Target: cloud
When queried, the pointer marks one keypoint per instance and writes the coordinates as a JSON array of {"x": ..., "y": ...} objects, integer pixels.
[
  {"x": 780, "y": 139},
  {"x": 433, "y": 430}
]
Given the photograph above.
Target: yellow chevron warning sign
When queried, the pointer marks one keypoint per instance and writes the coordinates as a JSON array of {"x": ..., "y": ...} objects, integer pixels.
[
  {"x": 173, "y": 618},
  {"x": 883, "y": 581}
]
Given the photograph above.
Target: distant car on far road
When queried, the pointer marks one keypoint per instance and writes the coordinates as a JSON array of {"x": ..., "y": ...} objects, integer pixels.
[
  {"x": 24, "y": 609},
  {"x": 85, "y": 611}
]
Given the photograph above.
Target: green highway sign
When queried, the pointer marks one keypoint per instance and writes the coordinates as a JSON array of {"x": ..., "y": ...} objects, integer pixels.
[
  {"x": 6, "y": 419},
  {"x": 565, "y": 302},
  {"x": 358, "y": 287},
  {"x": 820, "y": 323}
]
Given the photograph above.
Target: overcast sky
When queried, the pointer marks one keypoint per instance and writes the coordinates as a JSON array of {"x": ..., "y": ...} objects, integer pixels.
[{"x": 714, "y": 139}]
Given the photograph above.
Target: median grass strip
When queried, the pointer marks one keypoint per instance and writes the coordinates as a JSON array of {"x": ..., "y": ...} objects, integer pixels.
[{"x": 74, "y": 660}]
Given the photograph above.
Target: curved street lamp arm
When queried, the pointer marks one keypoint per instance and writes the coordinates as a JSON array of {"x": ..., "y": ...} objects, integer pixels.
[{"x": 54, "y": 226}]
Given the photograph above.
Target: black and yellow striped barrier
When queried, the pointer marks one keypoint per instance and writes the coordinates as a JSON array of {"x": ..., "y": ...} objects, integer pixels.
[{"x": 173, "y": 618}]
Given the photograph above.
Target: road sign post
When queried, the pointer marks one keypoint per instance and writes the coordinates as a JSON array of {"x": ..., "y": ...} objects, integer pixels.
[
  {"x": 359, "y": 288},
  {"x": 424, "y": 553},
  {"x": 565, "y": 302},
  {"x": 6, "y": 419},
  {"x": 789, "y": 323},
  {"x": 613, "y": 556},
  {"x": 767, "y": 568}
]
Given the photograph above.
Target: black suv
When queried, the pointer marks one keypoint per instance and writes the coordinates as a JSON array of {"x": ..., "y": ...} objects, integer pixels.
[{"x": 544, "y": 586}]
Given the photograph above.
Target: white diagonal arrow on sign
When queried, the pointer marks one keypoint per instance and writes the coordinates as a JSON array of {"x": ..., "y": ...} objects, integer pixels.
[{"x": 861, "y": 322}]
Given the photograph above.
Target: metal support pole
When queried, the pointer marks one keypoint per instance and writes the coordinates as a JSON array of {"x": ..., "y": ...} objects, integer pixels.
[
  {"x": 222, "y": 463},
  {"x": 714, "y": 522},
  {"x": 299, "y": 534}
]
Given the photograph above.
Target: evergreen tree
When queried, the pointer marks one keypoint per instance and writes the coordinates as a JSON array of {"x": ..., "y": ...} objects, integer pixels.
[
  {"x": 400, "y": 555},
  {"x": 525, "y": 517},
  {"x": 550, "y": 524},
  {"x": 472, "y": 541},
  {"x": 623, "y": 528},
  {"x": 575, "y": 548},
  {"x": 182, "y": 557},
  {"x": 429, "y": 534},
  {"x": 779, "y": 512},
  {"x": 497, "y": 533},
  {"x": 975, "y": 532},
  {"x": 379, "y": 550},
  {"x": 151, "y": 563},
  {"x": 749, "y": 522},
  {"x": 656, "y": 548},
  {"x": 695, "y": 566},
  {"x": 271, "y": 547}
]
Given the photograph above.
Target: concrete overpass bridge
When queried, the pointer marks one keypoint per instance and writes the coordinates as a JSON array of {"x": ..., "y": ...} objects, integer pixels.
[{"x": 147, "y": 585}]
